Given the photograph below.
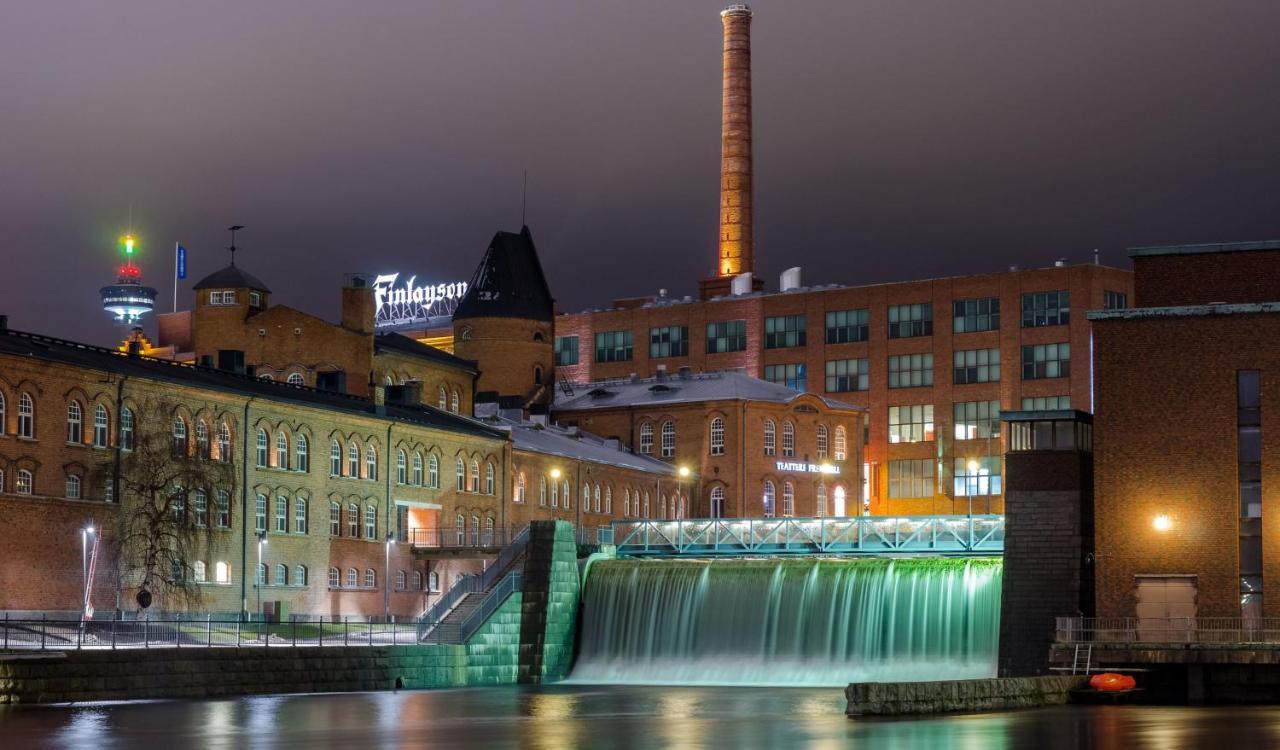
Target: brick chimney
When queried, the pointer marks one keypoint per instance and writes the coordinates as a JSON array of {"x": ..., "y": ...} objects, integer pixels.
[{"x": 357, "y": 306}]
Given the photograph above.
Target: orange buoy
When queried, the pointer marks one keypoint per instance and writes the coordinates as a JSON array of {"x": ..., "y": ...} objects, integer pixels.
[{"x": 1111, "y": 682}]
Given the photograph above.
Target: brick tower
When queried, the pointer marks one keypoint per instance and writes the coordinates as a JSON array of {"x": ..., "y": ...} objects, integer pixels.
[{"x": 737, "y": 237}]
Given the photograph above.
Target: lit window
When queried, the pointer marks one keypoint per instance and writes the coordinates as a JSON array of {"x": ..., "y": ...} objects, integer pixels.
[
  {"x": 455, "y": 403},
  {"x": 26, "y": 416},
  {"x": 668, "y": 439},
  {"x": 911, "y": 478},
  {"x": 981, "y": 479},
  {"x": 770, "y": 438},
  {"x": 488, "y": 479},
  {"x": 767, "y": 499},
  {"x": 542, "y": 491},
  {"x": 840, "y": 444},
  {"x": 300, "y": 515},
  {"x": 224, "y": 440},
  {"x": 911, "y": 370},
  {"x": 976, "y": 366},
  {"x": 417, "y": 470},
  {"x": 790, "y": 375},
  {"x": 73, "y": 487},
  {"x": 788, "y": 439},
  {"x": 221, "y": 572},
  {"x": 442, "y": 398},
  {"x": 295, "y": 378},
  {"x": 976, "y": 420},
  {"x": 1046, "y": 309},
  {"x": 821, "y": 436},
  {"x": 460, "y": 468},
  {"x": 564, "y": 492},
  {"x": 907, "y": 321},
  {"x": 788, "y": 499},
  {"x": 24, "y": 485},
  {"x": 911, "y": 424},
  {"x": 100, "y": 424},
  {"x": 784, "y": 331},
  {"x": 520, "y": 487},
  {"x": 717, "y": 436},
  {"x": 474, "y": 484},
  {"x": 646, "y": 438}
]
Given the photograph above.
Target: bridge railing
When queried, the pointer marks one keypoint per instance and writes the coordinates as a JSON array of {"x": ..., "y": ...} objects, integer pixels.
[
  {"x": 1167, "y": 630},
  {"x": 869, "y": 535}
]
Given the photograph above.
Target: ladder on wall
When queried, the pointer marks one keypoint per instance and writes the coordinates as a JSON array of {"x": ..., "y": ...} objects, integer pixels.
[{"x": 1082, "y": 666}]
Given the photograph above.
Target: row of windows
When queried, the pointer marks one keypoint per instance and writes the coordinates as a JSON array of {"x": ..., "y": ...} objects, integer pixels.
[
  {"x": 716, "y": 442},
  {"x": 914, "y": 477},
  {"x": 1039, "y": 361}
]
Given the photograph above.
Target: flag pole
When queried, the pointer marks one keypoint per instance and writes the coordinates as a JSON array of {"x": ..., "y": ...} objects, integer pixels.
[{"x": 176, "y": 245}]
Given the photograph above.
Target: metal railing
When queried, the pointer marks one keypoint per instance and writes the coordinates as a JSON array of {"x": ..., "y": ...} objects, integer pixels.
[
  {"x": 48, "y": 634},
  {"x": 448, "y": 537},
  {"x": 434, "y": 618},
  {"x": 494, "y": 599},
  {"x": 855, "y": 535},
  {"x": 1168, "y": 630}
]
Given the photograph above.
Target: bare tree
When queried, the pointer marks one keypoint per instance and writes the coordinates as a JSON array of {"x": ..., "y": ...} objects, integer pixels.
[{"x": 166, "y": 460}]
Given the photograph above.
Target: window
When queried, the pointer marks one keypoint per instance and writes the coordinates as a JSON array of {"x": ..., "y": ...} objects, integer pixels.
[
  {"x": 840, "y": 444},
  {"x": 1046, "y": 361},
  {"x": 669, "y": 341},
  {"x": 222, "y": 298},
  {"x": 455, "y": 402},
  {"x": 303, "y": 457},
  {"x": 4, "y": 416},
  {"x": 282, "y": 574},
  {"x": 224, "y": 441},
  {"x": 977, "y": 420},
  {"x": 179, "y": 436},
  {"x": 767, "y": 499},
  {"x": 260, "y": 514},
  {"x": 461, "y": 470},
  {"x": 906, "y": 321},
  {"x": 295, "y": 378},
  {"x": 221, "y": 572},
  {"x": 717, "y": 436},
  {"x": 400, "y": 580},
  {"x": 353, "y": 460},
  {"x": 300, "y": 515},
  {"x": 977, "y": 366},
  {"x": 300, "y": 575},
  {"x": 542, "y": 491},
  {"x": 910, "y": 370},
  {"x": 260, "y": 578},
  {"x": 911, "y": 424},
  {"x": 353, "y": 578},
  {"x": 198, "y": 571},
  {"x": 417, "y": 469},
  {"x": 442, "y": 398},
  {"x": 726, "y": 336},
  {"x": 586, "y": 498},
  {"x": 335, "y": 578},
  {"x": 1114, "y": 300},
  {"x": 282, "y": 451},
  {"x": 201, "y": 508},
  {"x": 821, "y": 437},
  {"x": 202, "y": 439},
  {"x": 73, "y": 487},
  {"x": 668, "y": 439},
  {"x": 564, "y": 493},
  {"x": 717, "y": 502},
  {"x": 370, "y": 522},
  {"x": 488, "y": 479},
  {"x": 555, "y": 493},
  {"x": 177, "y": 505},
  {"x": 626, "y": 502},
  {"x": 370, "y": 578},
  {"x": 108, "y": 489},
  {"x": 23, "y": 486},
  {"x": 788, "y": 439},
  {"x": 27, "y": 417},
  {"x": 75, "y": 423},
  {"x": 1046, "y": 309},
  {"x": 402, "y": 468},
  {"x": 100, "y": 425},
  {"x": 844, "y": 326},
  {"x": 981, "y": 479},
  {"x": 353, "y": 520},
  {"x": 371, "y": 463},
  {"x": 597, "y": 496},
  {"x": 613, "y": 346},
  {"x": 335, "y": 459},
  {"x": 433, "y": 581},
  {"x": 911, "y": 477},
  {"x": 417, "y": 580},
  {"x": 792, "y": 376},
  {"x": 433, "y": 471},
  {"x": 474, "y": 484},
  {"x": 1046, "y": 403},
  {"x": 608, "y": 500},
  {"x": 335, "y": 519},
  {"x": 784, "y": 331},
  {"x": 177, "y": 571},
  {"x": 770, "y": 438},
  {"x": 972, "y": 315},
  {"x": 222, "y": 507},
  {"x": 788, "y": 499},
  {"x": 646, "y": 438},
  {"x": 261, "y": 448},
  {"x": 845, "y": 375},
  {"x": 566, "y": 350},
  {"x": 282, "y": 514}
]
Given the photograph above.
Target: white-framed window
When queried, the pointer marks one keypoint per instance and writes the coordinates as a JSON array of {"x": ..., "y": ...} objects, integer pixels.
[
  {"x": 542, "y": 491},
  {"x": 460, "y": 471},
  {"x": 370, "y": 522},
  {"x": 353, "y": 460},
  {"x": 460, "y": 529},
  {"x": 646, "y": 504},
  {"x": 717, "y": 502},
  {"x": 646, "y": 438},
  {"x": 555, "y": 493},
  {"x": 788, "y": 499},
  {"x": 455, "y": 402},
  {"x": 126, "y": 429},
  {"x": 564, "y": 493},
  {"x": 260, "y": 514},
  {"x": 335, "y": 578},
  {"x": 770, "y": 438},
  {"x": 520, "y": 488},
  {"x": 626, "y": 502},
  {"x": 417, "y": 469},
  {"x": 300, "y": 515},
  {"x": 370, "y": 578},
  {"x": 717, "y": 436},
  {"x": 768, "y": 499},
  {"x": 821, "y": 501},
  {"x": 224, "y": 440},
  {"x": 335, "y": 519},
  {"x": 335, "y": 458},
  {"x": 417, "y": 580},
  {"x": 177, "y": 505},
  {"x": 202, "y": 439},
  {"x": 261, "y": 448},
  {"x": 586, "y": 498},
  {"x": 353, "y": 520},
  {"x": 353, "y": 578},
  {"x": 295, "y": 378},
  {"x": 101, "y": 425},
  {"x": 108, "y": 489},
  {"x": 302, "y": 455},
  {"x": 442, "y": 399},
  {"x": 433, "y": 471},
  {"x": 201, "y": 508},
  {"x": 73, "y": 487},
  {"x": 198, "y": 571},
  {"x": 24, "y": 483},
  {"x": 222, "y": 298},
  {"x": 4, "y": 420},
  {"x": 821, "y": 436},
  {"x": 911, "y": 424},
  {"x": 402, "y": 467},
  {"x": 222, "y": 509},
  {"x": 282, "y": 515},
  {"x": 179, "y": 436},
  {"x": 668, "y": 439},
  {"x": 433, "y": 581},
  {"x": 400, "y": 580},
  {"x": 608, "y": 500},
  {"x": 282, "y": 575},
  {"x": 26, "y": 416},
  {"x": 371, "y": 463},
  {"x": 282, "y": 451},
  {"x": 221, "y": 572},
  {"x": 597, "y": 495},
  {"x": 788, "y": 439},
  {"x": 488, "y": 479},
  {"x": 299, "y": 575},
  {"x": 474, "y": 483},
  {"x": 840, "y": 443}
]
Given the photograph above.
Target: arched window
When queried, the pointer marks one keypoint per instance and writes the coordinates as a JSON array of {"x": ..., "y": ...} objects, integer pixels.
[
  {"x": 260, "y": 513},
  {"x": 24, "y": 483},
  {"x": 433, "y": 581},
  {"x": 768, "y": 499},
  {"x": 222, "y": 509},
  {"x": 564, "y": 492},
  {"x": 822, "y": 441},
  {"x": 353, "y": 460},
  {"x": 266, "y": 376},
  {"x": 455, "y": 404},
  {"x": 202, "y": 439},
  {"x": 4, "y": 420},
  {"x": 488, "y": 478},
  {"x": 73, "y": 487},
  {"x": 282, "y": 575},
  {"x": 179, "y": 436},
  {"x": 388, "y": 380},
  {"x": 662, "y": 506},
  {"x": 27, "y": 417},
  {"x": 221, "y": 572},
  {"x": 335, "y": 458},
  {"x": 555, "y": 493},
  {"x": 417, "y": 469},
  {"x": 788, "y": 439},
  {"x": 461, "y": 467},
  {"x": 626, "y": 502},
  {"x": 282, "y": 514},
  {"x": 201, "y": 509},
  {"x": 646, "y": 438},
  {"x": 668, "y": 439},
  {"x": 299, "y": 571},
  {"x": 586, "y": 498},
  {"x": 520, "y": 487},
  {"x": 370, "y": 578},
  {"x": 717, "y": 502},
  {"x": 224, "y": 440},
  {"x": 295, "y": 378},
  {"x": 353, "y": 578},
  {"x": 475, "y": 531},
  {"x": 597, "y": 494},
  {"x": 417, "y": 580},
  {"x": 402, "y": 467},
  {"x": 370, "y": 522},
  {"x": 608, "y": 500},
  {"x": 101, "y": 424},
  {"x": 788, "y": 499},
  {"x": 300, "y": 515},
  {"x": 282, "y": 451},
  {"x": 303, "y": 462},
  {"x": 770, "y": 438},
  {"x": 261, "y": 447},
  {"x": 198, "y": 571},
  {"x": 460, "y": 528},
  {"x": 353, "y": 520},
  {"x": 400, "y": 579},
  {"x": 126, "y": 429},
  {"x": 335, "y": 578},
  {"x": 717, "y": 436},
  {"x": 821, "y": 501},
  {"x": 443, "y": 399},
  {"x": 839, "y": 446},
  {"x": 370, "y": 462},
  {"x": 433, "y": 471},
  {"x": 75, "y": 423},
  {"x": 335, "y": 519},
  {"x": 646, "y": 503},
  {"x": 542, "y": 491},
  {"x": 474, "y": 484}
]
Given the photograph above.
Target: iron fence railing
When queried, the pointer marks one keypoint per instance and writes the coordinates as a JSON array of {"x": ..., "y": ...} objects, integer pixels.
[
  {"x": 1168, "y": 630},
  {"x": 459, "y": 537},
  {"x": 492, "y": 600}
]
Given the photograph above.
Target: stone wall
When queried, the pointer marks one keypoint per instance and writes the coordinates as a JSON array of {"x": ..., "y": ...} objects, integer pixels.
[
  {"x": 997, "y": 694},
  {"x": 550, "y": 603}
]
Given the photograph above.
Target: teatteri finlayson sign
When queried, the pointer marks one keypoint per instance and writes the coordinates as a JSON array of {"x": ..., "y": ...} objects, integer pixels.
[
  {"x": 410, "y": 303},
  {"x": 806, "y": 468}
]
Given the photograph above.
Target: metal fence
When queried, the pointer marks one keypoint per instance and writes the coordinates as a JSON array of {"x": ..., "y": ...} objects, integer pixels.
[
  {"x": 471, "y": 537},
  {"x": 1168, "y": 630}
]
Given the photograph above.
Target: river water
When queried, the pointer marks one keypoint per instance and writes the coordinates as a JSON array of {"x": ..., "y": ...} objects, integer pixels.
[{"x": 630, "y": 718}]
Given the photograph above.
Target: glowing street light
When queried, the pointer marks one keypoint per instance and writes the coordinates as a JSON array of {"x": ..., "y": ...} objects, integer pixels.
[
  {"x": 260, "y": 575},
  {"x": 555, "y": 473},
  {"x": 1162, "y": 522},
  {"x": 85, "y": 533}
]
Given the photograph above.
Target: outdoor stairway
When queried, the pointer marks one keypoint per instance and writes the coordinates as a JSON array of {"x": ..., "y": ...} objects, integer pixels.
[
  {"x": 453, "y": 615},
  {"x": 449, "y": 627}
]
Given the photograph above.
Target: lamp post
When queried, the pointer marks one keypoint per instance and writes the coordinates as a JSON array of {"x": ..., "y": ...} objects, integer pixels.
[
  {"x": 85, "y": 533},
  {"x": 260, "y": 575},
  {"x": 555, "y": 488},
  {"x": 684, "y": 474},
  {"x": 386, "y": 580}
]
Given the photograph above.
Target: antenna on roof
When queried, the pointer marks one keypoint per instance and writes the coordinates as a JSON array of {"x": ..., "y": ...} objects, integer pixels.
[
  {"x": 524, "y": 196},
  {"x": 233, "y": 231}
]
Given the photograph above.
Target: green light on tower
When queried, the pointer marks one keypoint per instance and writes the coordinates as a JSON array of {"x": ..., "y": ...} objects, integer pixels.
[{"x": 128, "y": 244}]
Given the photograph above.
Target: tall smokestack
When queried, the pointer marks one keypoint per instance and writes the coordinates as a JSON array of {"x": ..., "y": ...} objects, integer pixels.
[{"x": 737, "y": 237}]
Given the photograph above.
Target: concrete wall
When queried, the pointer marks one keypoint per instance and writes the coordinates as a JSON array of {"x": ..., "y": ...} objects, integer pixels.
[{"x": 900, "y": 698}]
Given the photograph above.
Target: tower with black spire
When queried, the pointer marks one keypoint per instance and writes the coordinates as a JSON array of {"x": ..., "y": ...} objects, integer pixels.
[{"x": 504, "y": 323}]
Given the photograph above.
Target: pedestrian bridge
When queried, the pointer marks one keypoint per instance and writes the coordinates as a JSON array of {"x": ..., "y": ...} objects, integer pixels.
[{"x": 854, "y": 535}]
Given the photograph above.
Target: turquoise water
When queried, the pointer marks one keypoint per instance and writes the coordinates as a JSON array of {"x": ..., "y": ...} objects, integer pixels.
[{"x": 812, "y": 622}]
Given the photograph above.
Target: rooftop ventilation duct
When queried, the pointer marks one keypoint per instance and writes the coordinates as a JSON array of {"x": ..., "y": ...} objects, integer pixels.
[
  {"x": 790, "y": 279},
  {"x": 741, "y": 284}
]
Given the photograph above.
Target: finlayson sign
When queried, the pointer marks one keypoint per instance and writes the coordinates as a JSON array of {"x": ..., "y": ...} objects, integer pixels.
[{"x": 410, "y": 303}]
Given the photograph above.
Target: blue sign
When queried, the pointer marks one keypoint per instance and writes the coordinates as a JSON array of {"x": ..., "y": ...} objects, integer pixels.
[{"x": 182, "y": 262}]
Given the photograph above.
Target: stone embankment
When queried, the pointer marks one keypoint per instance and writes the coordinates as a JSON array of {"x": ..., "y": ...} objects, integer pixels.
[{"x": 949, "y": 696}]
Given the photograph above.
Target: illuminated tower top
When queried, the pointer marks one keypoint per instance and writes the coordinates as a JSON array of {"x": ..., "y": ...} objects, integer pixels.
[{"x": 128, "y": 300}]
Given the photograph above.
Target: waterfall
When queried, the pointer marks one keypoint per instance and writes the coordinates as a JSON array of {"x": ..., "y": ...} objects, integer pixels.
[{"x": 812, "y": 621}]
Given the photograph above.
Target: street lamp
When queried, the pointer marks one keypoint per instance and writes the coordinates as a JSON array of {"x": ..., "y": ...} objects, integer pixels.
[
  {"x": 684, "y": 474},
  {"x": 260, "y": 575},
  {"x": 85, "y": 533},
  {"x": 1162, "y": 522},
  {"x": 973, "y": 467},
  {"x": 386, "y": 580}
]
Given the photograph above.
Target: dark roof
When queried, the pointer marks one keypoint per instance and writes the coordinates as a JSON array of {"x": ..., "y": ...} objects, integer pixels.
[
  {"x": 47, "y": 349},
  {"x": 400, "y": 344},
  {"x": 509, "y": 282},
  {"x": 724, "y": 385},
  {"x": 1213, "y": 247},
  {"x": 230, "y": 277}
]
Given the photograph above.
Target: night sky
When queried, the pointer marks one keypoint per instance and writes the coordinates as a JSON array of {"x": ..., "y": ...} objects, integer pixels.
[{"x": 893, "y": 140}]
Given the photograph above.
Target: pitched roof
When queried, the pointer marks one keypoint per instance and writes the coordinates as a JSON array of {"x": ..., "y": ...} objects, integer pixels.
[
  {"x": 571, "y": 443},
  {"x": 400, "y": 344},
  {"x": 230, "y": 277},
  {"x": 509, "y": 282},
  {"x": 47, "y": 349},
  {"x": 726, "y": 385}
]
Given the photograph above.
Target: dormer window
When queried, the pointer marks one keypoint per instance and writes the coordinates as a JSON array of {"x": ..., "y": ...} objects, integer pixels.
[
  {"x": 222, "y": 298},
  {"x": 255, "y": 299}
]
